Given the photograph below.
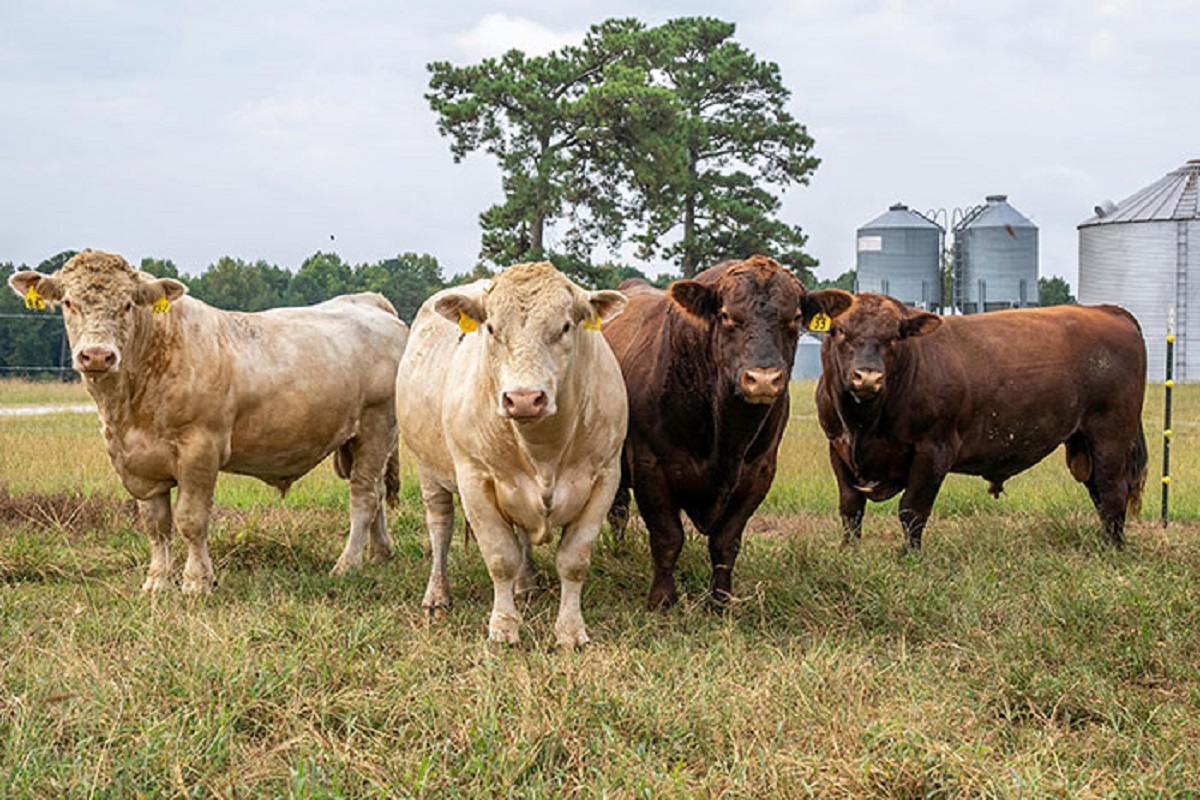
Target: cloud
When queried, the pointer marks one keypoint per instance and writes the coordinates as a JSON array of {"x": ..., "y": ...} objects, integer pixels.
[{"x": 496, "y": 34}]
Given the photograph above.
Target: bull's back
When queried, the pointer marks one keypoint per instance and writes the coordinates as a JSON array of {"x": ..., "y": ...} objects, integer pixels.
[{"x": 303, "y": 378}]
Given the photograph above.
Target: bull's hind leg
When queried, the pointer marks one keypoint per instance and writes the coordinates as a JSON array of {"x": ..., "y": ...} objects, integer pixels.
[
  {"x": 1108, "y": 480},
  {"x": 367, "y": 455},
  {"x": 439, "y": 519},
  {"x": 618, "y": 512},
  {"x": 156, "y": 518}
]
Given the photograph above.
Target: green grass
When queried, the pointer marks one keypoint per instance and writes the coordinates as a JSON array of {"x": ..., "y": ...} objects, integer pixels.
[{"x": 1017, "y": 656}]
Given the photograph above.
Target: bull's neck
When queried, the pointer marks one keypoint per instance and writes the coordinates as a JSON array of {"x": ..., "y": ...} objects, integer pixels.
[{"x": 146, "y": 356}]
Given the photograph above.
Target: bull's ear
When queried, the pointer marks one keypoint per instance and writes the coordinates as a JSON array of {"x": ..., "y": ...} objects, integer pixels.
[
  {"x": 919, "y": 324},
  {"x": 160, "y": 293},
  {"x": 465, "y": 311},
  {"x": 602, "y": 306},
  {"x": 819, "y": 308},
  {"x": 695, "y": 298},
  {"x": 33, "y": 285}
]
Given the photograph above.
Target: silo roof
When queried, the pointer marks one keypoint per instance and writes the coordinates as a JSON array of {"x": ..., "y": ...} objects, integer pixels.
[
  {"x": 901, "y": 216},
  {"x": 1171, "y": 197},
  {"x": 997, "y": 213}
]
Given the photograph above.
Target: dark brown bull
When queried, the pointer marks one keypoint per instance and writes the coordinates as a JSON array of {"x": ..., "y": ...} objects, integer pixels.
[
  {"x": 906, "y": 397},
  {"x": 706, "y": 366}
]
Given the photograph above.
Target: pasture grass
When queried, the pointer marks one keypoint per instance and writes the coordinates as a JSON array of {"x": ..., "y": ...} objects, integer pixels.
[{"x": 1017, "y": 656}]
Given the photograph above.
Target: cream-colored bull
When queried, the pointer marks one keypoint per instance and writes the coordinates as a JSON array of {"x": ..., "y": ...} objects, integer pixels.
[
  {"x": 509, "y": 396},
  {"x": 185, "y": 391}
]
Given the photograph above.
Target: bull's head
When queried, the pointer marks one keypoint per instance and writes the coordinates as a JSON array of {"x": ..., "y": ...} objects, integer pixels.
[
  {"x": 105, "y": 302},
  {"x": 532, "y": 320},
  {"x": 755, "y": 311},
  {"x": 864, "y": 344}
]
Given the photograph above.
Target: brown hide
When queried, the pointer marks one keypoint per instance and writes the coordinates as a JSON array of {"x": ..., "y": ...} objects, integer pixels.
[
  {"x": 906, "y": 397},
  {"x": 706, "y": 365}
]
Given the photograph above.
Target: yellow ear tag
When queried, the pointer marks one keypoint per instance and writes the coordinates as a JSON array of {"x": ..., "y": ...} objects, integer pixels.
[
  {"x": 161, "y": 306},
  {"x": 592, "y": 324},
  {"x": 33, "y": 299},
  {"x": 820, "y": 322},
  {"x": 466, "y": 324}
]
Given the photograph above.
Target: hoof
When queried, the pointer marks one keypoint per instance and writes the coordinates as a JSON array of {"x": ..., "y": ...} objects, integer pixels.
[
  {"x": 343, "y": 568},
  {"x": 155, "y": 584},
  {"x": 436, "y": 612},
  {"x": 572, "y": 640},
  {"x": 198, "y": 586},
  {"x": 510, "y": 638},
  {"x": 380, "y": 555}
]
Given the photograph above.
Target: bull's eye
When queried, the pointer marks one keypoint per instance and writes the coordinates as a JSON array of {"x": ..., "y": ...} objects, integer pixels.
[
  {"x": 491, "y": 331},
  {"x": 67, "y": 304},
  {"x": 566, "y": 328},
  {"x": 125, "y": 309},
  {"x": 726, "y": 319}
]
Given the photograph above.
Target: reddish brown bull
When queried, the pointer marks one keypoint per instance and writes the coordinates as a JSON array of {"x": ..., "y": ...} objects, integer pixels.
[
  {"x": 706, "y": 366},
  {"x": 906, "y": 397}
]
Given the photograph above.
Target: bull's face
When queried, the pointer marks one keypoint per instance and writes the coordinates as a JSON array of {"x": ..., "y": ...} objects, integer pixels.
[
  {"x": 755, "y": 312},
  {"x": 864, "y": 344},
  {"x": 532, "y": 320},
  {"x": 105, "y": 302}
]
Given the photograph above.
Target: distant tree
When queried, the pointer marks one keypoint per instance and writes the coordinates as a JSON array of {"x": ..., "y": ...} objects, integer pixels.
[
  {"x": 845, "y": 281},
  {"x": 160, "y": 267},
  {"x": 1054, "y": 291},
  {"x": 55, "y": 262},
  {"x": 735, "y": 140},
  {"x": 407, "y": 281},
  {"x": 549, "y": 121},
  {"x": 320, "y": 277},
  {"x": 234, "y": 285}
]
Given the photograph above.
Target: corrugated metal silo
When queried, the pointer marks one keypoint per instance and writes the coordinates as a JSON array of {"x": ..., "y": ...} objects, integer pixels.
[
  {"x": 995, "y": 258},
  {"x": 1141, "y": 253},
  {"x": 808, "y": 357},
  {"x": 900, "y": 254}
]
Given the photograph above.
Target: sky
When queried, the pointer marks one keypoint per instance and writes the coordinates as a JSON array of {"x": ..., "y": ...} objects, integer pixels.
[{"x": 276, "y": 128}]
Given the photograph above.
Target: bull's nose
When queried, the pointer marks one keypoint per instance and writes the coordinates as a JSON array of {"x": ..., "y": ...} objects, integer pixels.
[
  {"x": 524, "y": 403},
  {"x": 866, "y": 381},
  {"x": 763, "y": 385},
  {"x": 96, "y": 359}
]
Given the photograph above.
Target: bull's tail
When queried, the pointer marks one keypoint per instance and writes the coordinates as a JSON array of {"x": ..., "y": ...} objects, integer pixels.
[
  {"x": 391, "y": 478},
  {"x": 1138, "y": 467}
]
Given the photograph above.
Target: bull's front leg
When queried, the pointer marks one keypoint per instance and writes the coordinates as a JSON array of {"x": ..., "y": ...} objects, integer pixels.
[
  {"x": 574, "y": 558},
  {"x": 156, "y": 519},
  {"x": 501, "y": 553},
  {"x": 196, "y": 468},
  {"x": 851, "y": 502},
  {"x": 657, "y": 507},
  {"x": 925, "y": 477}
]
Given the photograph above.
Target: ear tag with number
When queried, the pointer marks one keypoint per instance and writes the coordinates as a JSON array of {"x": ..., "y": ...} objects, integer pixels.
[
  {"x": 161, "y": 306},
  {"x": 33, "y": 299},
  {"x": 820, "y": 322},
  {"x": 466, "y": 324},
  {"x": 592, "y": 324}
]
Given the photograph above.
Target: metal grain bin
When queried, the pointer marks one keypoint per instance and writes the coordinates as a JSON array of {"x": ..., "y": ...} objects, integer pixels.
[
  {"x": 995, "y": 258},
  {"x": 808, "y": 357},
  {"x": 1143, "y": 253},
  {"x": 900, "y": 254}
]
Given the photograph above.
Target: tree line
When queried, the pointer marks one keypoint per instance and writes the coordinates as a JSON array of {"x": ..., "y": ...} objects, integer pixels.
[{"x": 33, "y": 343}]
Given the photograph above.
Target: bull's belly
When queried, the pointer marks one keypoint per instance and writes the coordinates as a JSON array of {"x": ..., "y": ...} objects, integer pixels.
[{"x": 283, "y": 465}]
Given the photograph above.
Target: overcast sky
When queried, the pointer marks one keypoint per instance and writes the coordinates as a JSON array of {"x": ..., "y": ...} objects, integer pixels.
[{"x": 253, "y": 129}]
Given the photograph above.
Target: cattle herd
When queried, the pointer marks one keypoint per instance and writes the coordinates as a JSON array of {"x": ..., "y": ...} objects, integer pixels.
[{"x": 544, "y": 407}]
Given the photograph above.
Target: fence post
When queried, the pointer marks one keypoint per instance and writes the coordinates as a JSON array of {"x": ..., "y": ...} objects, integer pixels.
[{"x": 1169, "y": 385}]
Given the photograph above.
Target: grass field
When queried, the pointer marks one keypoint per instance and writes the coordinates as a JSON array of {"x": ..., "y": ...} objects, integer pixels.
[{"x": 1017, "y": 656}]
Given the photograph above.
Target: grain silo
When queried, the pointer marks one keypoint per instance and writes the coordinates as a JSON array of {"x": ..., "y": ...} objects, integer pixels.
[
  {"x": 1140, "y": 254},
  {"x": 900, "y": 254},
  {"x": 995, "y": 258},
  {"x": 808, "y": 357}
]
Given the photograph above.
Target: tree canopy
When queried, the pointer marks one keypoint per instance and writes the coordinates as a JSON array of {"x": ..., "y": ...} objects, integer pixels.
[{"x": 674, "y": 139}]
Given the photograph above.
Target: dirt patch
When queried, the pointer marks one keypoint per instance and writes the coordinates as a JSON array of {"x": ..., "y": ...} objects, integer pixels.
[{"x": 69, "y": 511}]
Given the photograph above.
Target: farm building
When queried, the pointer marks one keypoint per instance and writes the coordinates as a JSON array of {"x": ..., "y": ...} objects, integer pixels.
[
  {"x": 995, "y": 258},
  {"x": 900, "y": 254},
  {"x": 1141, "y": 253}
]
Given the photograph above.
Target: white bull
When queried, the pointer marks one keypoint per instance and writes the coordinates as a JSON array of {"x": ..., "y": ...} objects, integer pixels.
[
  {"x": 185, "y": 391},
  {"x": 509, "y": 396}
]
